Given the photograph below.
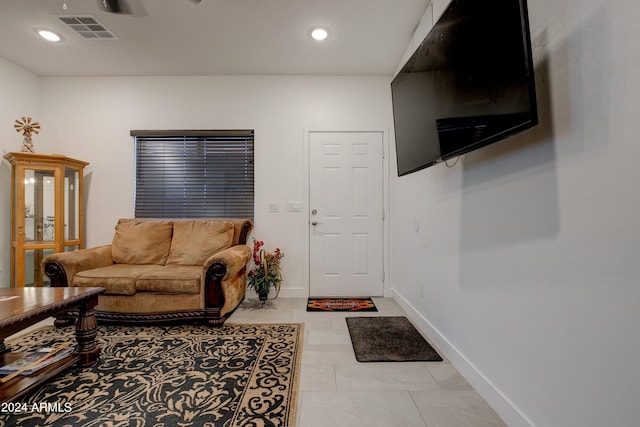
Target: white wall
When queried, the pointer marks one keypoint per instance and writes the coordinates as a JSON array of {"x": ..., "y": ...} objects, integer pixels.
[
  {"x": 19, "y": 97},
  {"x": 521, "y": 261},
  {"x": 90, "y": 119}
]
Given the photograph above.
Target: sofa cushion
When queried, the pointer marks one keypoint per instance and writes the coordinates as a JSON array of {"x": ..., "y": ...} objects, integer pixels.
[
  {"x": 195, "y": 241},
  {"x": 171, "y": 279},
  {"x": 116, "y": 279},
  {"x": 142, "y": 242}
]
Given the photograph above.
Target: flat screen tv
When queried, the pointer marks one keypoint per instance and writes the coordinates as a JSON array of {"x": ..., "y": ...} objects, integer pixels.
[{"x": 470, "y": 83}]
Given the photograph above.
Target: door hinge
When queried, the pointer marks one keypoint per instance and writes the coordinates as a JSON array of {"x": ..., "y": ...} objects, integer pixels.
[{"x": 383, "y": 213}]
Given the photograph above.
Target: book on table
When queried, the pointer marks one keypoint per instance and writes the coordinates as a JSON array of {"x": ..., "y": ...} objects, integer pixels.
[{"x": 31, "y": 357}]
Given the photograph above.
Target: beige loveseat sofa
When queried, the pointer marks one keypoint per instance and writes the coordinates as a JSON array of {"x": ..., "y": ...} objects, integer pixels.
[{"x": 162, "y": 270}]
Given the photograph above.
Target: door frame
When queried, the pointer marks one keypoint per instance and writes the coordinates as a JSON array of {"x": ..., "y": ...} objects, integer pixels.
[{"x": 385, "y": 199}]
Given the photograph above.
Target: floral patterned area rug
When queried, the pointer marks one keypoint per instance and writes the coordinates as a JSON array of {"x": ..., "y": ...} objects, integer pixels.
[
  {"x": 187, "y": 375},
  {"x": 341, "y": 304}
]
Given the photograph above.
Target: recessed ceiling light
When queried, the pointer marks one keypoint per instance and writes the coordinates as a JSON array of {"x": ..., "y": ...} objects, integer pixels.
[
  {"x": 319, "y": 34},
  {"x": 48, "y": 35}
]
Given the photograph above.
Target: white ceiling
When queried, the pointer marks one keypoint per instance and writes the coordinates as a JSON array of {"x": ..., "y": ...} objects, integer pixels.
[{"x": 214, "y": 37}]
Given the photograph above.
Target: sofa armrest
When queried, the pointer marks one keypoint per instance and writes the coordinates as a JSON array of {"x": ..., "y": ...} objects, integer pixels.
[
  {"x": 62, "y": 266},
  {"x": 234, "y": 259},
  {"x": 224, "y": 281}
]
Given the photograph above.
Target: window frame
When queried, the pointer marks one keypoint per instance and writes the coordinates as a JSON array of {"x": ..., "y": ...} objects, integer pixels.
[{"x": 194, "y": 173}]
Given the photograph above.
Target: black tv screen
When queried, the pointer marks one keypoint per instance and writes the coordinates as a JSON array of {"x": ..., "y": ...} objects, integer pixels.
[{"x": 470, "y": 83}]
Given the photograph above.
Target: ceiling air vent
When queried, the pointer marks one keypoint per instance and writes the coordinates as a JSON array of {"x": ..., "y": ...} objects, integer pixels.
[{"x": 88, "y": 27}]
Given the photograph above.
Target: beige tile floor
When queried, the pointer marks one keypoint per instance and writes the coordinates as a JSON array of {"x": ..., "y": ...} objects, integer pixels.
[{"x": 336, "y": 390}]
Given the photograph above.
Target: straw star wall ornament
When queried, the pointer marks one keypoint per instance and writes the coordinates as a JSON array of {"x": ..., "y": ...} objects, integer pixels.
[{"x": 27, "y": 126}]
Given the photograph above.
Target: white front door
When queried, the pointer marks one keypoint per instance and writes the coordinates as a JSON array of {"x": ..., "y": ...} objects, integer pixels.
[{"x": 346, "y": 218}]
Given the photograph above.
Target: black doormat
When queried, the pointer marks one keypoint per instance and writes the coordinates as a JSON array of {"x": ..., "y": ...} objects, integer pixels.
[
  {"x": 341, "y": 304},
  {"x": 389, "y": 339}
]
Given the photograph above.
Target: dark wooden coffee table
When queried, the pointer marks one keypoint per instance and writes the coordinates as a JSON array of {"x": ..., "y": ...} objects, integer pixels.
[{"x": 23, "y": 307}]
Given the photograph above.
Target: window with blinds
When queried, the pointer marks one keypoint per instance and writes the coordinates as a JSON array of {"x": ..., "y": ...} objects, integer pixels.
[{"x": 194, "y": 174}]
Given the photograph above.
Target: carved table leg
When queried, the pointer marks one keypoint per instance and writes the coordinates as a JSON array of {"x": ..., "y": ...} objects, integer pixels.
[
  {"x": 67, "y": 318},
  {"x": 86, "y": 331}
]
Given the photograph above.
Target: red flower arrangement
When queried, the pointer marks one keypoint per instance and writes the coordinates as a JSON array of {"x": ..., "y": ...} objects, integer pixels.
[{"x": 266, "y": 271}]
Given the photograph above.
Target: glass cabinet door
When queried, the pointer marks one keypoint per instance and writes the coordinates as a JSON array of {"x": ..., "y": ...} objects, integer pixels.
[
  {"x": 39, "y": 206},
  {"x": 72, "y": 204},
  {"x": 38, "y": 227}
]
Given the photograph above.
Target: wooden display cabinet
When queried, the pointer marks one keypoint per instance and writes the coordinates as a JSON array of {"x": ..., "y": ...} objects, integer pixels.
[{"x": 47, "y": 213}]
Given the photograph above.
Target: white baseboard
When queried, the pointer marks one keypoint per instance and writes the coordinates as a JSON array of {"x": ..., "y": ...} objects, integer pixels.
[
  {"x": 293, "y": 293},
  {"x": 509, "y": 413}
]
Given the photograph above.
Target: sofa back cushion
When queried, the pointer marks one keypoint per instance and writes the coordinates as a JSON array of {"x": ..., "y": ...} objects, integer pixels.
[
  {"x": 142, "y": 242},
  {"x": 196, "y": 240}
]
